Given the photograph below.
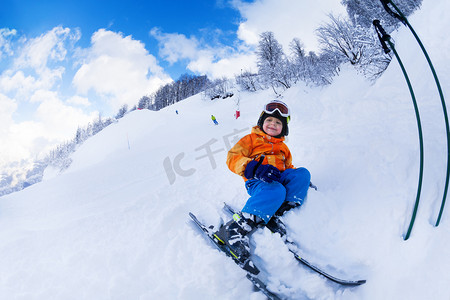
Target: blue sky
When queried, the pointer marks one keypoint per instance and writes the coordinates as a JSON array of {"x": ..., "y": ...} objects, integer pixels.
[
  {"x": 62, "y": 63},
  {"x": 136, "y": 18}
]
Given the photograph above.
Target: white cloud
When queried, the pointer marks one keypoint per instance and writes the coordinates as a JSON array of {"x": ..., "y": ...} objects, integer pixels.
[
  {"x": 248, "y": 34},
  {"x": 5, "y": 36},
  {"x": 20, "y": 144},
  {"x": 52, "y": 123},
  {"x": 214, "y": 61},
  {"x": 56, "y": 117},
  {"x": 50, "y": 47},
  {"x": 175, "y": 46},
  {"x": 227, "y": 66},
  {"x": 287, "y": 19},
  {"x": 11, "y": 148},
  {"x": 118, "y": 68},
  {"x": 19, "y": 84},
  {"x": 7, "y": 107},
  {"x": 31, "y": 63},
  {"x": 32, "y": 116},
  {"x": 79, "y": 101}
]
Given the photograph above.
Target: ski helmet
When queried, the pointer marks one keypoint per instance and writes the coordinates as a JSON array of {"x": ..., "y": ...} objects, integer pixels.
[{"x": 279, "y": 110}]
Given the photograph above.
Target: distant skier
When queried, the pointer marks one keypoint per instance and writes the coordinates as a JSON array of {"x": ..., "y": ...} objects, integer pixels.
[
  {"x": 265, "y": 163},
  {"x": 214, "y": 120}
]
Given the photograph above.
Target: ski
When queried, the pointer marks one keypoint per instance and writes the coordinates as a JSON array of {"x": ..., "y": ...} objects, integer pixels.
[
  {"x": 323, "y": 273},
  {"x": 248, "y": 266},
  {"x": 282, "y": 231}
]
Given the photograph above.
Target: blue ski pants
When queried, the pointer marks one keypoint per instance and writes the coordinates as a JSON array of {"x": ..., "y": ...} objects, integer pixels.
[{"x": 266, "y": 198}]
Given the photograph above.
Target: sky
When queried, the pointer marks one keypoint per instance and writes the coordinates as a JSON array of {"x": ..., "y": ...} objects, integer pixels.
[{"x": 64, "y": 63}]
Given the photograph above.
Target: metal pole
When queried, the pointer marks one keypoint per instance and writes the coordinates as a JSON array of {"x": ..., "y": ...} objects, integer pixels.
[
  {"x": 384, "y": 37},
  {"x": 399, "y": 15}
]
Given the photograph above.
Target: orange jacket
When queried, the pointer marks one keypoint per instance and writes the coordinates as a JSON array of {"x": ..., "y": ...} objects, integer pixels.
[{"x": 255, "y": 144}]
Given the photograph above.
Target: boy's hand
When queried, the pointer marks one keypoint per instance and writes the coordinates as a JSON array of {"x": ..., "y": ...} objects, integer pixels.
[{"x": 266, "y": 173}]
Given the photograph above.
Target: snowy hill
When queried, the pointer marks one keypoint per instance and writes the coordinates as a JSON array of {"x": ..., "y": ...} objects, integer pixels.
[{"x": 115, "y": 224}]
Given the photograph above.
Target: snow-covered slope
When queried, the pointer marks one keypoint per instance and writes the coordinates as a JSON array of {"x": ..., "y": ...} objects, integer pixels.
[{"x": 115, "y": 225}]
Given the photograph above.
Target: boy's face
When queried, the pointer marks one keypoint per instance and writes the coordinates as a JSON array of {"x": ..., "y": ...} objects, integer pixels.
[{"x": 272, "y": 126}]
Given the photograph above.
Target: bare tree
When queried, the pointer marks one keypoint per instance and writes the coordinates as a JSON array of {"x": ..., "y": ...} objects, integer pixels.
[
  {"x": 364, "y": 12},
  {"x": 249, "y": 81},
  {"x": 272, "y": 62},
  {"x": 219, "y": 88},
  {"x": 299, "y": 60},
  {"x": 341, "y": 38},
  {"x": 347, "y": 42}
]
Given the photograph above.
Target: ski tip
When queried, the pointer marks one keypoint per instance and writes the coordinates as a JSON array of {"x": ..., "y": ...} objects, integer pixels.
[
  {"x": 353, "y": 283},
  {"x": 194, "y": 218}
]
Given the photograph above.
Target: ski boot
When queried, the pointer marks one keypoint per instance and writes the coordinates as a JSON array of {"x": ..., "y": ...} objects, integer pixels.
[
  {"x": 275, "y": 224},
  {"x": 235, "y": 235}
]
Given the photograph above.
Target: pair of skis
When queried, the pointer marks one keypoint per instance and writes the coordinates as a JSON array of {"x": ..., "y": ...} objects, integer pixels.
[
  {"x": 252, "y": 272},
  {"x": 251, "y": 275}
]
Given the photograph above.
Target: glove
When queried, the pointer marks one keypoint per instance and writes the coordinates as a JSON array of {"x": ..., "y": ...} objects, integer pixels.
[{"x": 266, "y": 173}]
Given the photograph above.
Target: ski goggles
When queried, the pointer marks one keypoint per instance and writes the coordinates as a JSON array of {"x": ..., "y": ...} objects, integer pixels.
[{"x": 282, "y": 108}]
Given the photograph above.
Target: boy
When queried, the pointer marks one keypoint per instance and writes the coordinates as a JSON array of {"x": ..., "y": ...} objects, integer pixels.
[{"x": 265, "y": 163}]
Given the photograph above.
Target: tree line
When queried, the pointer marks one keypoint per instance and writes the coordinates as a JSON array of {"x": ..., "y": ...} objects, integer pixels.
[{"x": 185, "y": 87}]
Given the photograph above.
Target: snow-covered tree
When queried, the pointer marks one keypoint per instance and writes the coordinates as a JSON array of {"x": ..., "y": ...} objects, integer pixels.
[
  {"x": 184, "y": 87},
  {"x": 363, "y": 12},
  {"x": 321, "y": 69},
  {"x": 344, "y": 41},
  {"x": 59, "y": 157},
  {"x": 144, "y": 102},
  {"x": 219, "y": 88},
  {"x": 249, "y": 81},
  {"x": 341, "y": 38},
  {"x": 122, "y": 111},
  {"x": 272, "y": 62},
  {"x": 298, "y": 59}
]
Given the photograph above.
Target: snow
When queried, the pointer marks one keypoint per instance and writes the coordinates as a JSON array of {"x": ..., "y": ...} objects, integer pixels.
[{"x": 115, "y": 225}]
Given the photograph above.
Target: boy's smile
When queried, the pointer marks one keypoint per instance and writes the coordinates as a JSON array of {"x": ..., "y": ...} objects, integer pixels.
[{"x": 272, "y": 126}]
